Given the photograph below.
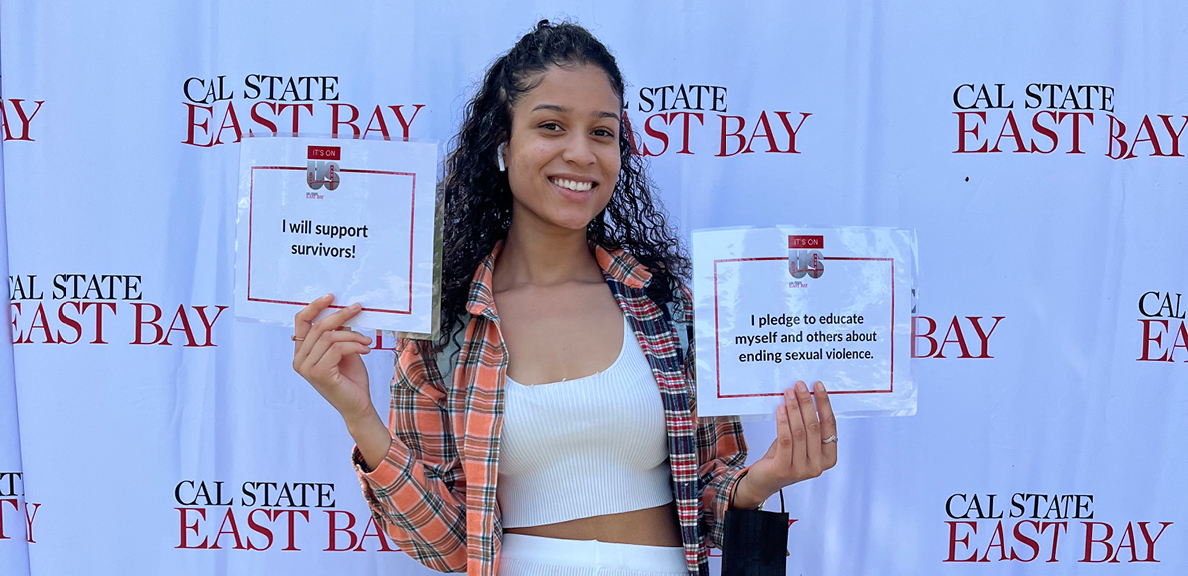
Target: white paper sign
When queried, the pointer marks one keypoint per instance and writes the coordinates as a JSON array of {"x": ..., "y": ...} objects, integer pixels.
[
  {"x": 350, "y": 217},
  {"x": 777, "y": 305}
]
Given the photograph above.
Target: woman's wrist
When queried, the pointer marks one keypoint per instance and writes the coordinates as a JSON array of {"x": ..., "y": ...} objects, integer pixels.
[
  {"x": 746, "y": 494},
  {"x": 372, "y": 438}
]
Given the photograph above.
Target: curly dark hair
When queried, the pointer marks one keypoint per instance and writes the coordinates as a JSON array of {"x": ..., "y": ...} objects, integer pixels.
[{"x": 478, "y": 200}]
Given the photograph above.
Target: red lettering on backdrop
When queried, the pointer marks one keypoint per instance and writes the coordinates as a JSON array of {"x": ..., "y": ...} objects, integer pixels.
[
  {"x": 969, "y": 124},
  {"x": 183, "y": 540},
  {"x": 335, "y": 120},
  {"x": 23, "y": 117},
  {"x": 269, "y": 115},
  {"x": 1150, "y": 542},
  {"x": 406, "y": 125},
  {"x": 234, "y": 125},
  {"x": 654, "y": 133},
  {"x": 762, "y": 123},
  {"x": 70, "y": 322},
  {"x": 998, "y": 540},
  {"x": 40, "y": 321},
  {"x": 792, "y": 132},
  {"x": 228, "y": 518},
  {"x": 962, "y": 131},
  {"x": 1076, "y": 127},
  {"x": 1152, "y": 335},
  {"x": 1010, "y": 123},
  {"x": 1027, "y": 541},
  {"x": 954, "y": 540},
  {"x": 1145, "y": 127},
  {"x": 13, "y": 502},
  {"x": 192, "y": 123},
  {"x": 996, "y": 535},
  {"x": 744, "y": 145},
  {"x": 29, "y": 521},
  {"x": 373, "y": 530},
  {"x": 955, "y": 334},
  {"x": 291, "y": 545},
  {"x": 161, "y": 335},
  {"x": 1049, "y": 133},
  {"x": 1096, "y": 540},
  {"x": 99, "y": 308},
  {"x": 140, "y": 323},
  {"x": 685, "y": 128},
  {"x": 297, "y": 108},
  {"x": 259, "y": 529},
  {"x": 742, "y": 140},
  {"x": 377, "y": 115},
  {"x": 192, "y": 526},
  {"x": 332, "y": 538},
  {"x": 1175, "y": 134},
  {"x": 258, "y": 119}
]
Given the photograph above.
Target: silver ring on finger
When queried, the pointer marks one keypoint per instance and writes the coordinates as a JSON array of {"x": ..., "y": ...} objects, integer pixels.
[{"x": 830, "y": 440}]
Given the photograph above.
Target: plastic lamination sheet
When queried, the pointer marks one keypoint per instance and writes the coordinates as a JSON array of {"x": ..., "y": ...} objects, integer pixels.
[
  {"x": 355, "y": 218},
  {"x": 782, "y": 304}
]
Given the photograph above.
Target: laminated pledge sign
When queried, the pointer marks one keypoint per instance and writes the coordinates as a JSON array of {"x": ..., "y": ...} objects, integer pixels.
[
  {"x": 350, "y": 217},
  {"x": 777, "y": 305}
]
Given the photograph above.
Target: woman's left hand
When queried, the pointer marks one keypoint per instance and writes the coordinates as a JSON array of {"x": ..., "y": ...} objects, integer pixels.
[{"x": 799, "y": 451}]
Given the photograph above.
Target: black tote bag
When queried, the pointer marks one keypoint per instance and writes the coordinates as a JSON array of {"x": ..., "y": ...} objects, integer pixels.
[{"x": 755, "y": 543}]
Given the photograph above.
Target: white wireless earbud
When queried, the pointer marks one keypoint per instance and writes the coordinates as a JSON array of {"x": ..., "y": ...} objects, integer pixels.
[{"x": 499, "y": 157}]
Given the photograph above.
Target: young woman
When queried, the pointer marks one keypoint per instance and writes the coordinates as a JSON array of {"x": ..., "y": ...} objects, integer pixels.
[{"x": 552, "y": 429}]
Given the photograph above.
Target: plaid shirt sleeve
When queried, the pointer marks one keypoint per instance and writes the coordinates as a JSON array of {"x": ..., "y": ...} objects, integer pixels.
[
  {"x": 721, "y": 448},
  {"x": 418, "y": 493}
]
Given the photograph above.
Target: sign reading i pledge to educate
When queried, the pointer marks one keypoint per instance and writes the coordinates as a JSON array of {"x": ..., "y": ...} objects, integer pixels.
[
  {"x": 350, "y": 217},
  {"x": 777, "y": 305}
]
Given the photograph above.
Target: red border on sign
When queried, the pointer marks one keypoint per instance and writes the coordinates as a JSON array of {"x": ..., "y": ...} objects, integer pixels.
[
  {"x": 718, "y": 339},
  {"x": 411, "y": 229}
]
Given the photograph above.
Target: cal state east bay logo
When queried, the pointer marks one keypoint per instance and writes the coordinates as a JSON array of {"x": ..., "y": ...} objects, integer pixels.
[
  {"x": 322, "y": 169},
  {"x": 1165, "y": 327},
  {"x": 804, "y": 256}
]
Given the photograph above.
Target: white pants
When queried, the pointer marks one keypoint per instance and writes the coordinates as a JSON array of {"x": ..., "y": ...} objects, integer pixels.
[{"x": 523, "y": 555}]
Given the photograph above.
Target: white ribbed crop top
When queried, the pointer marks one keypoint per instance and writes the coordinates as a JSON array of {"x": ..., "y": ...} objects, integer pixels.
[{"x": 585, "y": 447}]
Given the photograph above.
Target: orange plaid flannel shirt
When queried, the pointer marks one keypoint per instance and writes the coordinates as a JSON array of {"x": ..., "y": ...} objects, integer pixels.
[{"x": 434, "y": 493}]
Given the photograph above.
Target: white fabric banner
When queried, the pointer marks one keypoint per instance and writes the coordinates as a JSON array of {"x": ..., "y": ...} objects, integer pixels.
[
  {"x": 14, "y": 536},
  {"x": 1038, "y": 149}
]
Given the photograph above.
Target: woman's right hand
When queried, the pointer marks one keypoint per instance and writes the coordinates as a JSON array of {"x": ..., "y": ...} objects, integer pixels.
[{"x": 330, "y": 359}]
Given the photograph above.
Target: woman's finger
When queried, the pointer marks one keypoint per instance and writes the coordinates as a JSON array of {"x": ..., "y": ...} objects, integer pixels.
[
  {"x": 329, "y": 323},
  {"x": 783, "y": 442},
  {"x": 325, "y": 342},
  {"x": 812, "y": 443},
  {"x": 799, "y": 459},
  {"x": 828, "y": 425},
  {"x": 305, "y": 317},
  {"x": 335, "y": 353}
]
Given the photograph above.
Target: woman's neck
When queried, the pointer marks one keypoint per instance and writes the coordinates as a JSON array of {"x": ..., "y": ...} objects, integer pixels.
[{"x": 540, "y": 254}]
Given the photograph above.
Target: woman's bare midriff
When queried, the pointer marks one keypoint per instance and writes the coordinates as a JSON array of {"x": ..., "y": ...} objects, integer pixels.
[{"x": 650, "y": 527}]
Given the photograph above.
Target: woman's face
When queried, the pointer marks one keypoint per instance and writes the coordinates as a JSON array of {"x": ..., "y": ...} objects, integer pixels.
[{"x": 563, "y": 156}]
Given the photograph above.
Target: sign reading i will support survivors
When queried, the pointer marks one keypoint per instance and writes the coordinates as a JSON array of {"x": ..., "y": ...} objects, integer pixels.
[{"x": 350, "y": 217}]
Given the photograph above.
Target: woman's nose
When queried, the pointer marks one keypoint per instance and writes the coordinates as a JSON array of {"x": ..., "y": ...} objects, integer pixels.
[{"x": 578, "y": 151}]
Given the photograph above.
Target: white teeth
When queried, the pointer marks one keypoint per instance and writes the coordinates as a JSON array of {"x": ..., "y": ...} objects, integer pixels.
[{"x": 570, "y": 184}]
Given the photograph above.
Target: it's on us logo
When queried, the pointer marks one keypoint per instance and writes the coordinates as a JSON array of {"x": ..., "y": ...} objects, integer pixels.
[
  {"x": 322, "y": 169},
  {"x": 805, "y": 257}
]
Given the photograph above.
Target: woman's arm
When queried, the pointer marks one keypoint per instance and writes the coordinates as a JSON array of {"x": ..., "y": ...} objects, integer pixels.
[{"x": 414, "y": 483}]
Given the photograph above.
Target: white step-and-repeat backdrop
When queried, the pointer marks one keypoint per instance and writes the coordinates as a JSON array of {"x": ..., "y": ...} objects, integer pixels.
[{"x": 1037, "y": 148}]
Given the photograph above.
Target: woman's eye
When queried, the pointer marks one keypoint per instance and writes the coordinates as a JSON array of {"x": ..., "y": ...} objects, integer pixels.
[
  {"x": 551, "y": 126},
  {"x": 604, "y": 132}
]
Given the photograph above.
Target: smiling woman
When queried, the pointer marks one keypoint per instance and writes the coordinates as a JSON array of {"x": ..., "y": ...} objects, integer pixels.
[{"x": 552, "y": 428}]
